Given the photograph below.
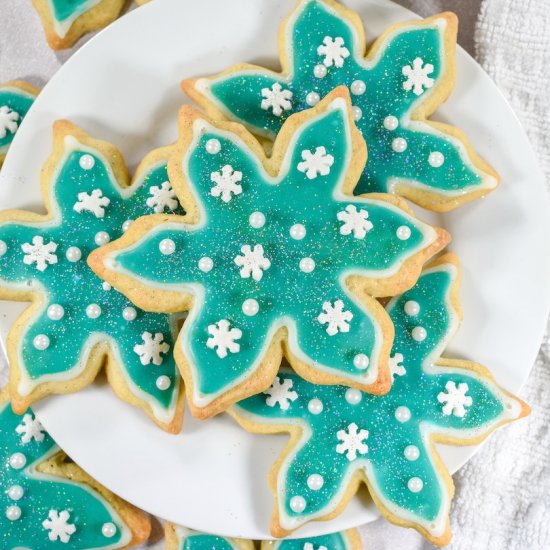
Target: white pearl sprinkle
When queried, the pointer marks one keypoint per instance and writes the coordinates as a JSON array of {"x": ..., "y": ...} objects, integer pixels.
[
  {"x": 315, "y": 482},
  {"x": 399, "y": 145},
  {"x": 93, "y": 311},
  {"x": 86, "y": 162},
  {"x": 256, "y": 220},
  {"x": 412, "y": 308},
  {"x": 298, "y": 231},
  {"x": 315, "y": 406},
  {"x": 391, "y": 123},
  {"x": 129, "y": 313},
  {"x": 402, "y": 414},
  {"x": 16, "y": 492},
  {"x": 3, "y": 248},
  {"x": 13, "y": 513},
  {"x": 167, "y": 246},
  {"x": 126, "y": 225},
  {"x": 73, "y": 254},
  {"x": 361, "y": 361},
  {"x": 319, "y": 71},
  {"x": 436, "y": 159},
  {"x": 18, "y": 461},
  {"x": 106, "y": 286},
  {"x": 358, "y": 87},
  {"x": 415, "y": 485},
  {"x": 108, "y": 530},
  {"x": 250, "y": 307},
  {"x": 313, "y": 98},
  {"x": 298, "y": 504},
  {"x": 403, "y": 232},
  {"x": 307, "y": 265},
  {"x": 101, "y": 238},
  {"x": 206, "y": 264},
  {"x": 357, "y": 113},
  {"x": 41, "y": 342},
  {"x": 163, "y": 382},
  {"x": 213, "y": 146},
  {"x": 411, "y": 452},
  {"x": 55, "y": 312},
  {"x": 419, "y": 334},
  {"x": 353, "y": 396}
]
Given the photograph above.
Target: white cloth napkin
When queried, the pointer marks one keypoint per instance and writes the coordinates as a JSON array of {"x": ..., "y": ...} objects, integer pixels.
[{"x": 503, "y": 494}]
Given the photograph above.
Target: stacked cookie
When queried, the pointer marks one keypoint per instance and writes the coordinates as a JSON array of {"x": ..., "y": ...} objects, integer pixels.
[{"x": 267, "y": 265}]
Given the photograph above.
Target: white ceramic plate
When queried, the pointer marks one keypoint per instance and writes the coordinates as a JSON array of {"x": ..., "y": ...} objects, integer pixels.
[{"x": 124, "y": 87}]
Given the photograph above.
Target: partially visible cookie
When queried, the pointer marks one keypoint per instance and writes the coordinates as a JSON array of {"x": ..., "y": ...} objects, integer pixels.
[
  {"x": 344, "y": 540},
  {"x": 16, "y": 98},
  {"x": 181, "y": 538},
  {"x": 49, "y": 502},
  {"x": 341, "y": 437},
  {"x": 407, "y": 74},
  {"x": 65, "y": 21},
  {"x": 77, "y": 324}
]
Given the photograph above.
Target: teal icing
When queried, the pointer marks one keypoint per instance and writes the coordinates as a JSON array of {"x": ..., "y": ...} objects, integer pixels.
[
  {"x": 74, "y": 286},
  {"x": 200, "y": 541},
  {"x": 239, "y": 96},
  {"x": 18, "y": 101},
  {"x": 334, "y": 541},
  {"x": 384, "y": 464},
  {"x": 66, "y": 9},
  {"x": 42, "y": 493},
  {"x": 285, "y": 294}
]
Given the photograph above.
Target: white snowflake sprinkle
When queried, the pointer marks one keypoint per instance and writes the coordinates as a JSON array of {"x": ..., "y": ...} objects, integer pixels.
[
  {"x": 417, "y": 76},
  {"x": 354, "y": 221},
  {"x": 455, "y": 399},
  {"x": 39, "y": 253},
  {"x": 58, "y": 526},
  {"x": 336, "y": 318},
  {"x": 8, "y": 121},
  {"x": 281, "y": 393},
  {"x": 352, "y": 442},
  {"x": 309, "y": 546},
  {"x": 222, "y": 338},
  {"x": 276, "y": 99},
  {"x": 334, "y": 51},
  {"x": 226, "y": 183},
  {"x": 396, "y": 368},
  {"x": 315, "y": 164},
  {"x": 94, "y": 203},
  {"x": 151, "y": 349},
  {"x": 252, "y": 262},
  {"x": 29, "y": 429},
  {"x": 162, "y": 197}
]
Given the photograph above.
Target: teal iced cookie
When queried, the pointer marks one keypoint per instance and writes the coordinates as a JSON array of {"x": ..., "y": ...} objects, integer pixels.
[
  {"x": 48, "y": 502},
  {"x": 16, "y": 99},
  {"x": 77, "y": 323},
  {"x": 273, "y": 257},
  {"x": 407, "y": 74},
  {"x": 342, "y": 437}
]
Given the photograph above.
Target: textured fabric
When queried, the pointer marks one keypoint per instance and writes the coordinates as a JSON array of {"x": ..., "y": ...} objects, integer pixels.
[{"x": 503, "y": 493}]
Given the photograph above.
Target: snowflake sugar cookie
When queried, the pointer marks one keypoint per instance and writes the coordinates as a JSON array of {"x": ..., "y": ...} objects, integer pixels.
[
  {"x": 342, "y": 436},
  {"x": 79, "y": 320},
  {"x": 407, "y": 74},
  {"x": 65, "y": 22},
  {"x": 16, "y": 99},
  {"x": 246, "y": 280},
  {"x": 49, "y": 502}
]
